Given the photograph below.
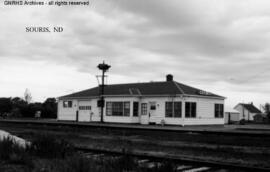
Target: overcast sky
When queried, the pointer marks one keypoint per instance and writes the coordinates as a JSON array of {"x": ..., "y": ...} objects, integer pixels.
[{"x": 221, "y": 46}]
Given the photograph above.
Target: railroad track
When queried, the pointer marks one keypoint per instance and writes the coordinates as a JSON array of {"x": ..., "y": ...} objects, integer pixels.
[
  {"x": 182, "y": 163},
  {"x": 136, "y": 127},
  {"x": 150, "y": 163}
]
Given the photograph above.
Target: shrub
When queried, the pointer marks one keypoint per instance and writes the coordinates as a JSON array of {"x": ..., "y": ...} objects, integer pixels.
[
  {"x": 48, "y": 146},
  {"x": 6, "y": 147},
  {"x": 242, "y": 122},
  {"x": 12, "y": 152},
  {"x": 123, "y": 163},
  {"x": 78, "y": 164},
  {"x": 70, "y": 164}
]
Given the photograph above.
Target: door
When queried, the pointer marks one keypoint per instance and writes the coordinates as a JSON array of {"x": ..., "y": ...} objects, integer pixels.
[
  {"x": 152, "y": 112},
  {"x": 84, "y": 111},
  {"x": 144, "y": 114}
]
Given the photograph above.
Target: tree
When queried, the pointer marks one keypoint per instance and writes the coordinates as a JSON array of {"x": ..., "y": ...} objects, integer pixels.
[
  {"x": 49, "y": 108},
  {"x": 19, "y": 107},
  {"x": 18, "y": 102},
  {"x": 266, "y": 109},
  {"x": 5, "y": 105},
  {"x": 27, "y": 96}
]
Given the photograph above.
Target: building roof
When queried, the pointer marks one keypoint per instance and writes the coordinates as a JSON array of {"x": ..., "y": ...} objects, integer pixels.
[
  {"x": 250, "y": 107},
  {"x": 143, "y": 89}
]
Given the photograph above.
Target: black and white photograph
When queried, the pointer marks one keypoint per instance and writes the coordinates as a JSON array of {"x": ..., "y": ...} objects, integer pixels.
[{"x": 134, "y": 85}]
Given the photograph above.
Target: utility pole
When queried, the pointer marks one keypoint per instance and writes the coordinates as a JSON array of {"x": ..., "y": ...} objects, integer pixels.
[{"x": 104, "y": 67}]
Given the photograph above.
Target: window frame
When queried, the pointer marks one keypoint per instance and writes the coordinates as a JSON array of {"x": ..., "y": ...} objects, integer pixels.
[
  {"x": 144, "y": 108},
  {"x": 219, "y": 110},
  {"x": 170, "y": 109},
  {"x": 85, "y": 107},
  {"x": 118, "y": 108},
  {"x": 190, "y": 109},
  {"x": 153, "y": 105},
  {"x": 136, "y": 109},
  {"x": 67, "y": 104},
  {"x": 177, "y": 115}
]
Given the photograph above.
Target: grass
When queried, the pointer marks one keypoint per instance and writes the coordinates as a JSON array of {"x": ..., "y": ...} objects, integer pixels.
[
  {"x": 49, "y": 146},
  {"x": 245, "y": 150},
  {"x": 12, "y": 152},
  {"x": 48, "y": 153}
]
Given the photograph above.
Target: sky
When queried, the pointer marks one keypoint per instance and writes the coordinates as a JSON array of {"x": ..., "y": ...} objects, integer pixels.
[{"x": 221, "y": 46}]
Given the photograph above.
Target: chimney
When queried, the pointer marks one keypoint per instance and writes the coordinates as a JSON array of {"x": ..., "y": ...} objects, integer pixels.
[{"x": 169, "y": 77}]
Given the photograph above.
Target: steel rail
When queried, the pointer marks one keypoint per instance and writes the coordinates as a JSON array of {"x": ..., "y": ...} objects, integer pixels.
[{"x": 138, "y": 127}]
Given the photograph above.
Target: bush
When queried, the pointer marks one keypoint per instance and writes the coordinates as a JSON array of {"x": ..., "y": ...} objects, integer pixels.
[
  {"x": 242, "y": 122},
  {"x": 70, "y": 164},
  {"x": 77, "y": 164},
  {"x": 124, "y": 163},
  {"x": 48, "y": 146},
  {"x": 12, "y": 152}
]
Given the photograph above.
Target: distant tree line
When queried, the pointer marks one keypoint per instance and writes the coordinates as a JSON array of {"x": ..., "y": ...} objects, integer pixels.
[
  {"x": 18, "y": 107},
  {"x": 266, "y": 109}
]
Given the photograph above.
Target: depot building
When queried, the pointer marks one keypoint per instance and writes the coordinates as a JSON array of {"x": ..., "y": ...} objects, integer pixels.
[{"x": 167, "y": 102}]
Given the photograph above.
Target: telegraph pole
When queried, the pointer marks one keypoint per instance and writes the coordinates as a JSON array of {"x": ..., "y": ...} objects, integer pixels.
[{"x": 104, "y": 67}]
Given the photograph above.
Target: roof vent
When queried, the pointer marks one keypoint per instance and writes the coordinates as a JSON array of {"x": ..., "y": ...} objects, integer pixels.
[{"x": 169, "y": 77}]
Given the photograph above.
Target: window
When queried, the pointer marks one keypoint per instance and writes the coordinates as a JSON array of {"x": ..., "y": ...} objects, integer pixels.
[
  {"x": 135, "y": 108},
  {"x": 152, "y": 105},
  {"x": 144, "y": 108},
  {"x": 190, "y": 110},
  {"x": 173, "y": 109},
  {"x": 177, "y": 109},
  {"x": 219, "y": 110},
  {"x": 109, "y": 108},
  {"x": 126, "y": 108},
  {"x": 168, "y": 109},
  {"x": 117, "y": 108},
  {"x": 84, "y": 107},
  {"x": 67, "y": 104}
]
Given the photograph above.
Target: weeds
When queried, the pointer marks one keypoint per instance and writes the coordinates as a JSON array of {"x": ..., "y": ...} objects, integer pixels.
[
  {"x": 49, "y": 154},
  {"x": 13, "y": 152},
  {"x": 48, "y": 146}
]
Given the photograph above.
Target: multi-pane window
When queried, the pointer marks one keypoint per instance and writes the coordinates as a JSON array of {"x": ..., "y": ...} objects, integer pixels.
[
  {"x": 117, "y": 108},
  {"x": 135, "y": 108},
  {"x": 169, "y": 109},
  {"x": 109, "y": 108},
  {"x": 190, "y": 110},
  {"x": 84, "y": 107},
  {"x": 67, "y": 104},
  {"x": 173, "y": 109},
  {"x": 126, "y": 108},
  {"x": 144, "y": 108},
  {"x": 177, "y": 109},
  {"x": 219, "y": 110}
]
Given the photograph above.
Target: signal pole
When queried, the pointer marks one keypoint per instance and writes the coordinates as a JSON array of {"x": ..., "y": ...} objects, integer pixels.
[{"x": 104, "y": 67}]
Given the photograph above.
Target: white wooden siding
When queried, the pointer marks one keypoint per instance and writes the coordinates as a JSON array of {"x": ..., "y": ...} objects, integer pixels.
[
  {"x": 245, "y": 114},
  {"x": 67, "y": 113},
  {"x": 204, "y": 115},
  {"x": 234, "y": 117}
]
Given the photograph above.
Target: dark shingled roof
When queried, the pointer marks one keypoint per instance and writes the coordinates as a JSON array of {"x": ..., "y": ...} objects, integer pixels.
[
  {"x": 251, "y": 108},
  {"x": 143, "y": 89}
]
